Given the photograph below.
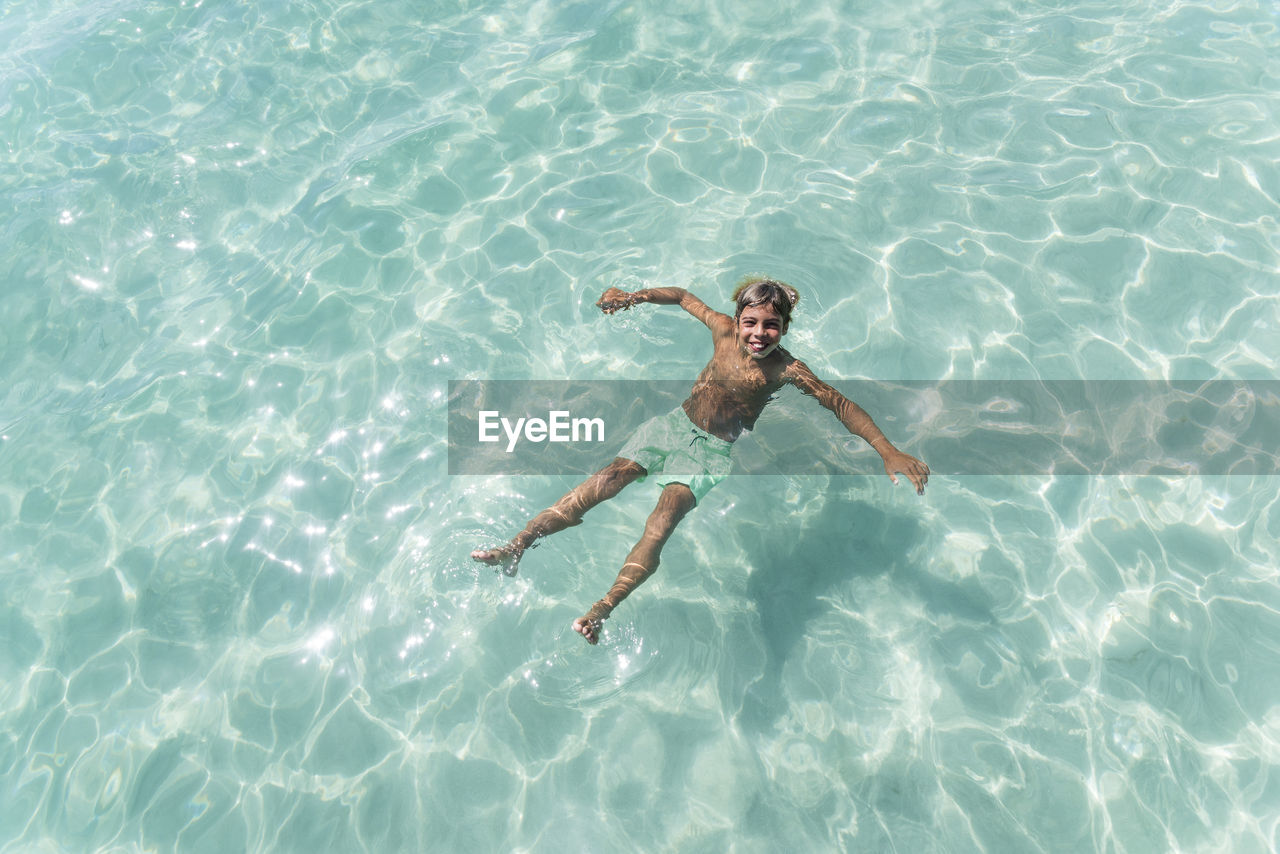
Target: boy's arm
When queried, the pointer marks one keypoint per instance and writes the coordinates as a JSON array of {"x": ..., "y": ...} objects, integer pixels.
[
  {"x": 615, "y": 299},
  {"x": 859, "y": 423}
]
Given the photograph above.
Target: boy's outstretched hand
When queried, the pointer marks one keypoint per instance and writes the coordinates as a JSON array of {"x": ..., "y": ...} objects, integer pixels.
[
  {"x": 917, "y": 472},
  {"x": 614, "y": 299}
]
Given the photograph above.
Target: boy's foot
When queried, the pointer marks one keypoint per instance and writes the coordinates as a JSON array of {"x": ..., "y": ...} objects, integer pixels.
[
  {"x": 590, "y": 623},
  {"x": 589, "y": 628},
  {"x": 506, "y": 558}
]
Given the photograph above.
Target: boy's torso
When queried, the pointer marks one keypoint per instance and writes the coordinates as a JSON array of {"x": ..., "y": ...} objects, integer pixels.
[{"x": 733, "y": 388}]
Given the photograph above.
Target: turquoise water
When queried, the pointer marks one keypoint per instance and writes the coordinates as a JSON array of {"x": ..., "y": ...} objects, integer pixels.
[{"x": 247, "y": 246}]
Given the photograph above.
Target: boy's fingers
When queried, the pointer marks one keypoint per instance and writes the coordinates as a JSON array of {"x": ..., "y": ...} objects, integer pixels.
[{"x": 918, "y": 475}]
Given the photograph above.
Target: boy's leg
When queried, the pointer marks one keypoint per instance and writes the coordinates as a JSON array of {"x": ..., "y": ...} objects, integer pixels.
[
  {"x": 676, "y": 500},
  {"x": 565, "y": 513}
]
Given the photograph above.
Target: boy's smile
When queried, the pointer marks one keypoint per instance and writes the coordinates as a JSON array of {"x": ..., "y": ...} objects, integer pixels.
[{"x": 760, "y": 329}]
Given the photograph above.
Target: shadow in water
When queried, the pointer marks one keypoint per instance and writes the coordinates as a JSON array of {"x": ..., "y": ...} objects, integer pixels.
[{"x": 848, "y": 539}]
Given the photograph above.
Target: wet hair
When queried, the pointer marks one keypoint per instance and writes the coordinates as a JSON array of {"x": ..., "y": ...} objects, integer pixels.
[{"x": 760, "y": 290}]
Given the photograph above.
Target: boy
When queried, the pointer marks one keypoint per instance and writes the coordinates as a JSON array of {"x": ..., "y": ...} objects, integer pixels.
[{"x": 689, "y": 448}]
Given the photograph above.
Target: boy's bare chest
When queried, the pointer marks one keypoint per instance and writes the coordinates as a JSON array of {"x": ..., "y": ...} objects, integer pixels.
[{"x": 741, "y": 374}]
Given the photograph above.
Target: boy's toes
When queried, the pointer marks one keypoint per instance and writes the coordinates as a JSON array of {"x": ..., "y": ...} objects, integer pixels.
[{"x": 588, "y": 628}]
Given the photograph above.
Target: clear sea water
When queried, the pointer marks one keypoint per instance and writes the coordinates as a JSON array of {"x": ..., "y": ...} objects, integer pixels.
[{"x": 246, "y": 246}]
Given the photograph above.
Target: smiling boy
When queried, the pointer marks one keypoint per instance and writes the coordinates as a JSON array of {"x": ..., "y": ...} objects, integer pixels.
[{"x": 688, "y": 449}]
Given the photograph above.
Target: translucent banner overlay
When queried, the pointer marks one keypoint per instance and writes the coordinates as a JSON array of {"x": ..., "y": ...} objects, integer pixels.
[{"x": 971, "y": 427}]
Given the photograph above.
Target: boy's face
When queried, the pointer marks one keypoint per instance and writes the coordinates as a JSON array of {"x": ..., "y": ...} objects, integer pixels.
[{"x": 760, "y": 329}]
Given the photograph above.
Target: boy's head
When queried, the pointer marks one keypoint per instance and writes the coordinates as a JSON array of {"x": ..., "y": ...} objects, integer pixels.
[
  {"x": 760, "y": 290},
  {"x": 763, "y": 314}
]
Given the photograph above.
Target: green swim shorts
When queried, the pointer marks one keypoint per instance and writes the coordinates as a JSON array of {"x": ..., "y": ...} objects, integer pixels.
[{"x": 672, "y": 447}]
